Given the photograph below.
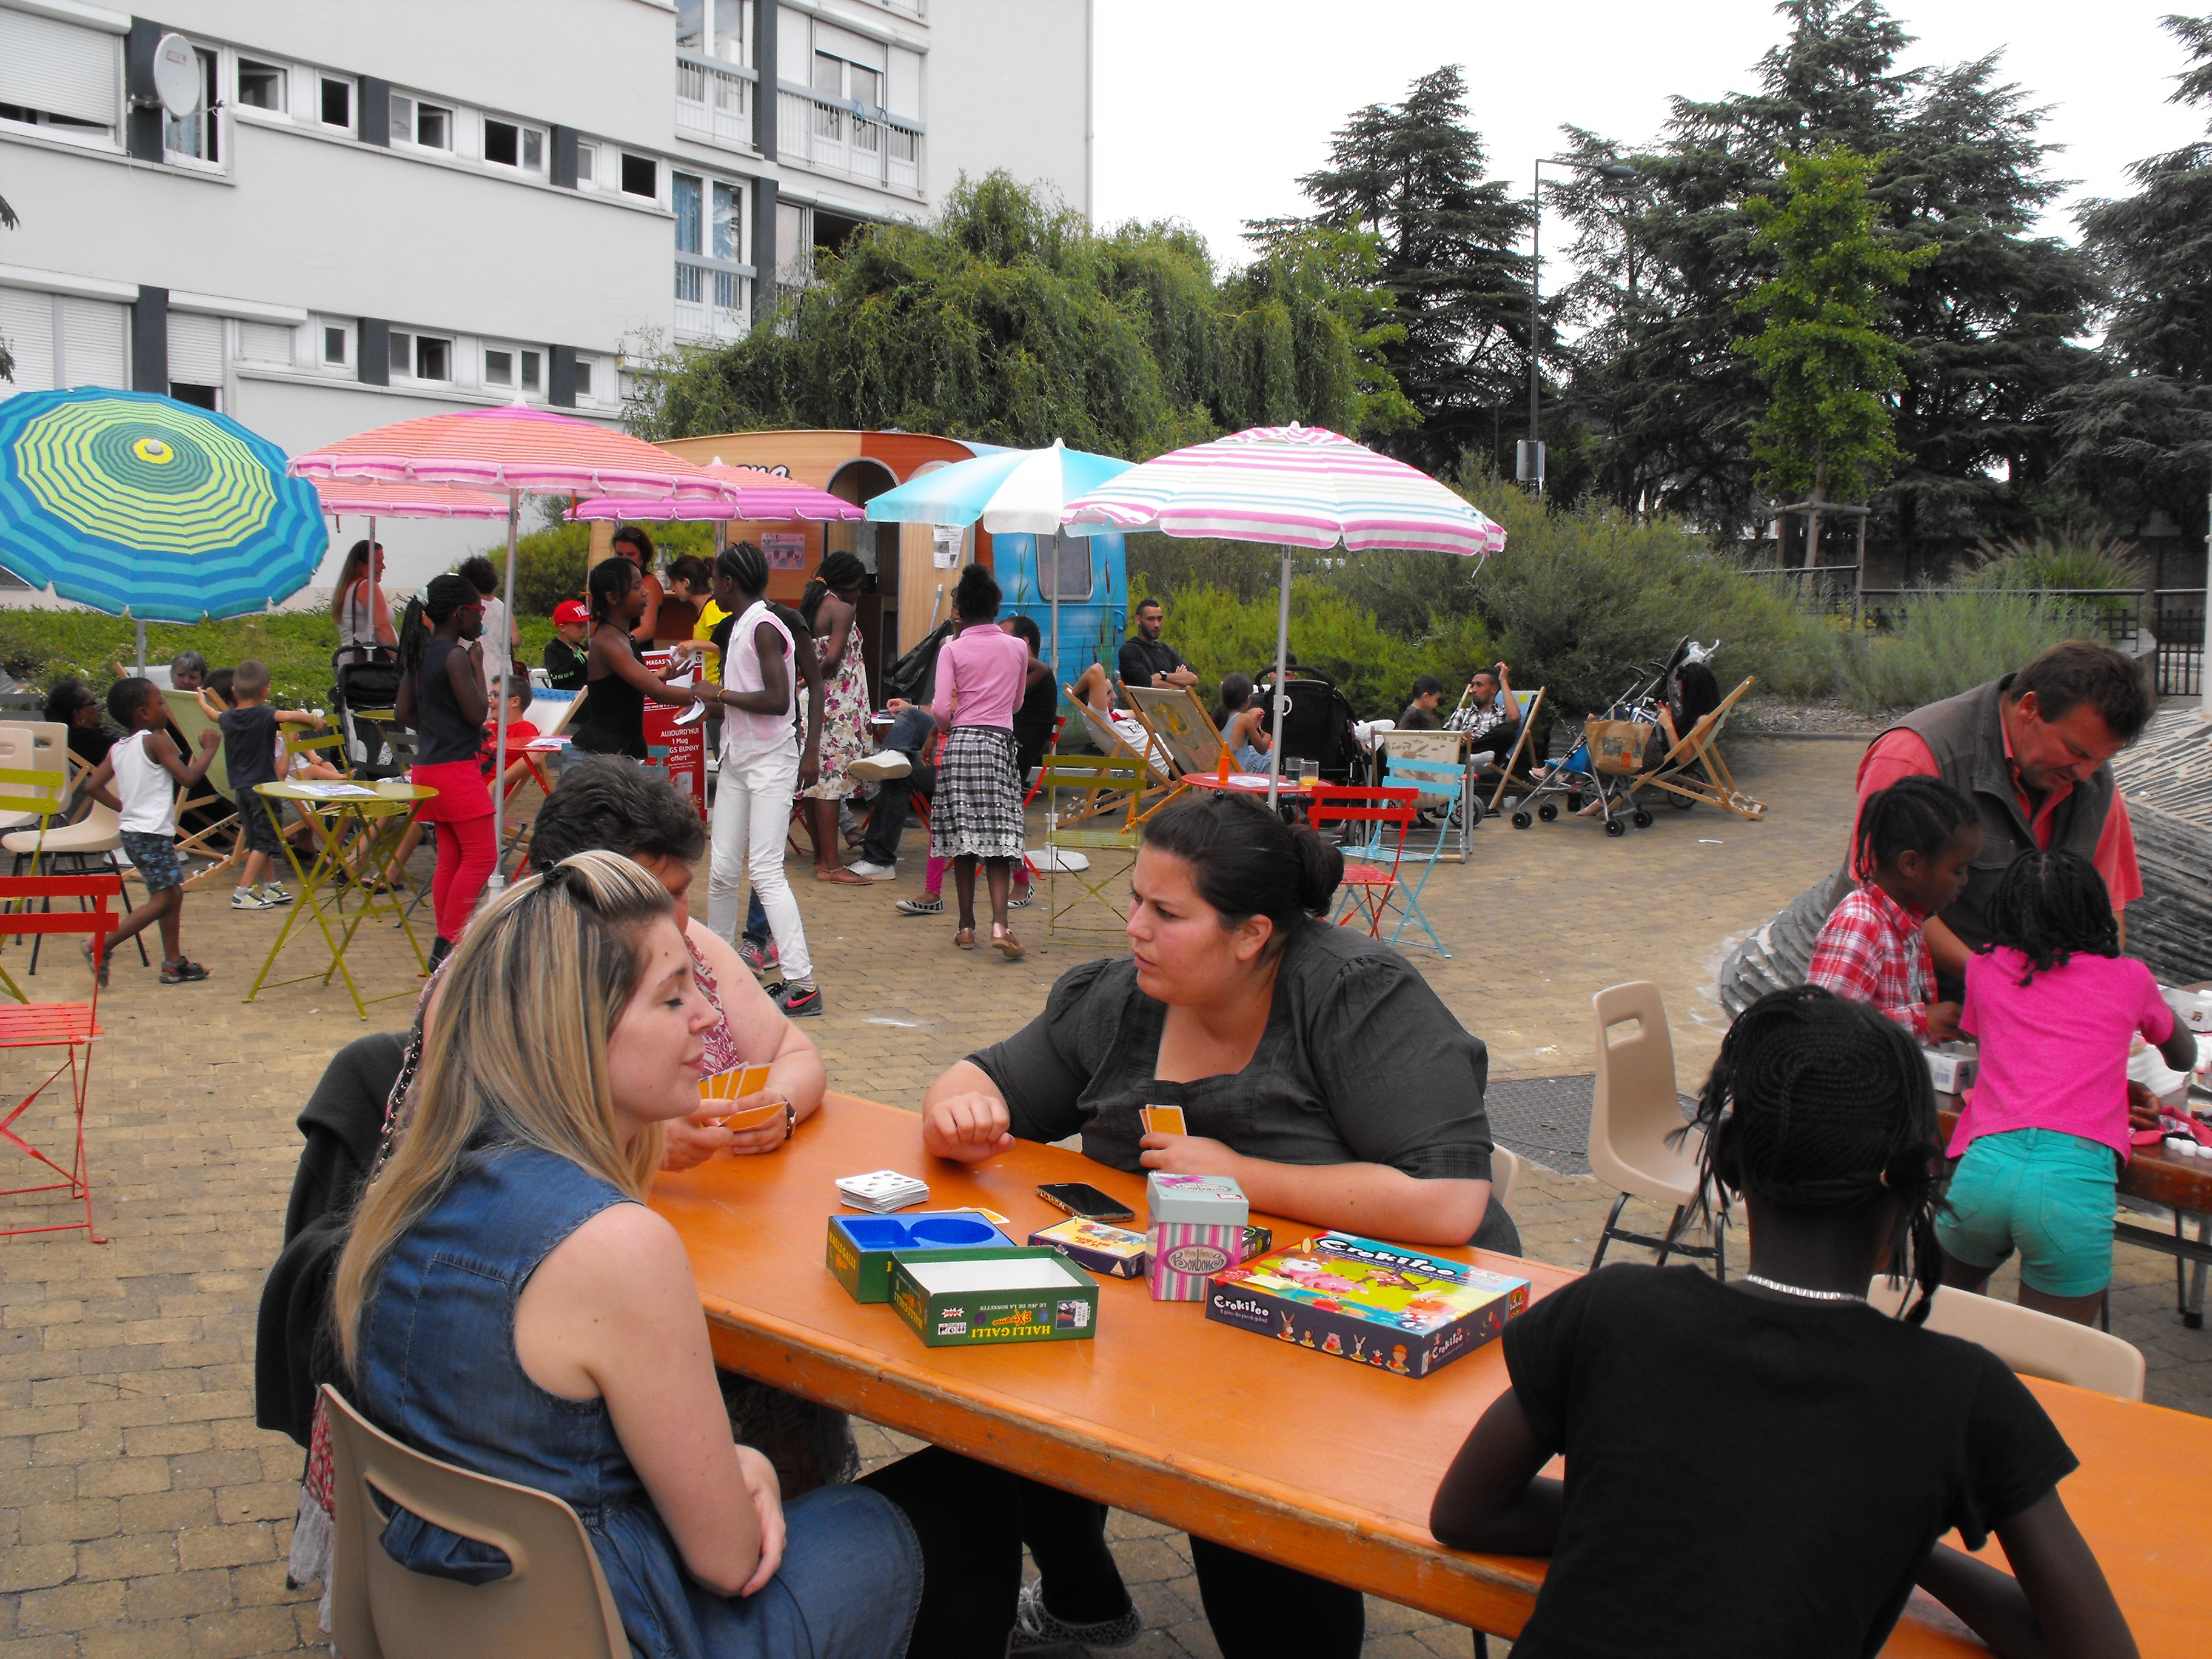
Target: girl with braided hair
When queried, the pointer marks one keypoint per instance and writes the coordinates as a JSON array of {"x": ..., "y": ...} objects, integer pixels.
[
  {"x": 2056, "y": 1008},
  {"x": 441, "y": 695},
  {"x": 1869, "y": 1438},
  {"x": 1917, "y": 842},
  {"x": 829, "y": 603}
]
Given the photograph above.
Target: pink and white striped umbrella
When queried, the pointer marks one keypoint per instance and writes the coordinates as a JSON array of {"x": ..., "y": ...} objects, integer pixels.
[
  {"x": 757, "y": 496},
  {"x": 1297, "y": 486},
  {"x": 343, "y": 497},
  {"x": 513, "y": 448}
]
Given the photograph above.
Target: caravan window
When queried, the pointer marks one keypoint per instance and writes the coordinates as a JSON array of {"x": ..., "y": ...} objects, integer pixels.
[{"x": 1064, "y": 560}]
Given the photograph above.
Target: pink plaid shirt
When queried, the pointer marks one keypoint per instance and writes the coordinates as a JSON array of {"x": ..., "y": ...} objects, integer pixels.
[{"x": 1873, "y": 951}]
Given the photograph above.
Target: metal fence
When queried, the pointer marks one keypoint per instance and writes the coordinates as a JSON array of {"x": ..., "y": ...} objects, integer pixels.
[{"x": 2172, "y": 618}]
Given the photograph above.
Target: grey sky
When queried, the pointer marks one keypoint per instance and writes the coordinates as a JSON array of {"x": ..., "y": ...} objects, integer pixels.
[{"x": 1207, "y": 110}]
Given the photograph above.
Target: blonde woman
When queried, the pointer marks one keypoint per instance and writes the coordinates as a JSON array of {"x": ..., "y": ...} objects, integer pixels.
[{"x": 507, "y": 1302}]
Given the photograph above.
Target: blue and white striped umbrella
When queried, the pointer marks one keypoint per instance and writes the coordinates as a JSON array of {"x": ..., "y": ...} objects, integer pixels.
[{"x": 1013, "y": 491}]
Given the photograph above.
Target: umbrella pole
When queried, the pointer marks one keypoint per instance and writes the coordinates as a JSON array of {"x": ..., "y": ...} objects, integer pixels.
[
  {"x": 1282, "y": 656},
  {"x": 498, "y": 881}
]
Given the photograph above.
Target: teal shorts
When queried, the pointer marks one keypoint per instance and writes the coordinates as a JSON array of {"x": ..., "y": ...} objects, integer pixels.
[{"x": 2044, "y": 1193}]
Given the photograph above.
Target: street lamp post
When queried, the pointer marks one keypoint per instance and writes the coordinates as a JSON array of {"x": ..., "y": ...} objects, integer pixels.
[{"x": 1532, "y": 468}]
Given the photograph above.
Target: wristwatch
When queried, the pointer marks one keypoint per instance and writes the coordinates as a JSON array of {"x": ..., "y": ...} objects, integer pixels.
[{"x": 790, "y": 1118}]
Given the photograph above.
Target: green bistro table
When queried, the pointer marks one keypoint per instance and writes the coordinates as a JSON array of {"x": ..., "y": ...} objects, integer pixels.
[{"x": 382, "y": 816}]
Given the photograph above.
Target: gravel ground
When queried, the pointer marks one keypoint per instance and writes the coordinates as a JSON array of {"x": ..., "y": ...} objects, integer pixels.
[{"x": 1825, "y": 717}]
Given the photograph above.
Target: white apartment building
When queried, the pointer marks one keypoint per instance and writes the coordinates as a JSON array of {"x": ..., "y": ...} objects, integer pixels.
[{"x": 390, "y": 209}]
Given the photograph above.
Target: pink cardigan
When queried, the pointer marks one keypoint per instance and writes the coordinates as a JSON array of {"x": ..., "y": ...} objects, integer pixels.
[{"x": 989, "y": 671}]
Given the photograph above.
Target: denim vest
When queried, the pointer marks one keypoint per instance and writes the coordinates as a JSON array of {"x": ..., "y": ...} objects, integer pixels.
[{"x": 438, "y": 1371}]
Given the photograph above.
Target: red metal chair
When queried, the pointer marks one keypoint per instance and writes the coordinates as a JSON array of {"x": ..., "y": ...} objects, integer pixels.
[
  {"x": 1367, "y": 887},
  {"x": 72, "y": 1027}
]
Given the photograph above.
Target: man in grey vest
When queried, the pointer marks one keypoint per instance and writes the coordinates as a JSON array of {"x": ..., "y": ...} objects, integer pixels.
[{"x": 2032, "y": 751}]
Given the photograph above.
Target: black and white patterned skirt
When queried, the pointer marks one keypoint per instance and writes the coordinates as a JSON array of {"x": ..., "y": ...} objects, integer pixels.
[{"x": 978, "y": 810}]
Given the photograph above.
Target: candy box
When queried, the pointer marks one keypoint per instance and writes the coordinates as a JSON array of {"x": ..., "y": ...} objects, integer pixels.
[
  {"x": 962, "y": 1299},
  {"x": 1198, "y": 1225},
  {"x": 861, "y": 1246},
  {"x": 1376, "y": 1304},
  {"x": 1114, "y": 1251},
  {"x": 1951, "y": 1068}
]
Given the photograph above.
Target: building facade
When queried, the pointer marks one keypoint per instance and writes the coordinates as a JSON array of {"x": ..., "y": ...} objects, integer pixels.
[{"x": 388, "y": 210}]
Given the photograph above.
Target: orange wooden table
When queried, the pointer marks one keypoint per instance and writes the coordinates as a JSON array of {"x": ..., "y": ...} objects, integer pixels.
[{"x": 1314, "y": 1462}]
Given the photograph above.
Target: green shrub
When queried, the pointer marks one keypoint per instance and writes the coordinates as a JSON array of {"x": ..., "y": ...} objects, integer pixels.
[
  {"x": 1946, "y": 639},
  {"x": 42, "y": 647},
  {"x": 549, "y": 563}
]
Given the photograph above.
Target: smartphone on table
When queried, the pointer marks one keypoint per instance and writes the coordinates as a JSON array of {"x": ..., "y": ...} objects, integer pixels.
[{"x": 1080, "y": 1197}]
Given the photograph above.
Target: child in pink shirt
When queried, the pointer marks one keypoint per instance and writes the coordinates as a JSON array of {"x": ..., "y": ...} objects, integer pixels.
[{"x": 2055, "y": 1008}]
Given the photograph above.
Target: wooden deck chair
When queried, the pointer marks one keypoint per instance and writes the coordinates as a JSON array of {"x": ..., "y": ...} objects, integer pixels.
[
  {"x": 211, "y": 795},
  {"x": 72, "y": 1027},
  {"x": 1520, "y": 756},
  {"x": 1151, "y": 780},
  {"x": 1694, "y": 771},
  {"x": 1071, "y": 853}
]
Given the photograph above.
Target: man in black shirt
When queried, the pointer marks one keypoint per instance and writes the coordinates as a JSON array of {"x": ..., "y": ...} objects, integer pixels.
[{"x": 1148, "y": 661}]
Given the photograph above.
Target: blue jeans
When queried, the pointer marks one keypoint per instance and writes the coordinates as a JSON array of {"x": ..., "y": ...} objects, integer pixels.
[{"x": 910, "y": 735}]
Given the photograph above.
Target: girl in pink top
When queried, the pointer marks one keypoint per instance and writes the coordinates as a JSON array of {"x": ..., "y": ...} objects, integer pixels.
[
  {"x": 981, "y": 674},
  {"x": 2055, "y": 1008}
]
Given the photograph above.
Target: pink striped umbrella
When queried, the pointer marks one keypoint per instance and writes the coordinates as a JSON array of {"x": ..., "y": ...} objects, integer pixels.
[
  {"x": 757, "y": 497},
  {"x": 340, "y": 496},
  {"x": 1298, "y": 486},
  {"x": 518, "y": 451}
]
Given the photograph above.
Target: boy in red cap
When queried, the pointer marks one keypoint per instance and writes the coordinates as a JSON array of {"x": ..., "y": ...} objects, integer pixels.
[{"x": 564, "y": 653}]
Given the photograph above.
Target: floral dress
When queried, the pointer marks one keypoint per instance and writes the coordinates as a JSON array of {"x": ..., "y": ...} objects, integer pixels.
[{"x": 844, "y": 719}]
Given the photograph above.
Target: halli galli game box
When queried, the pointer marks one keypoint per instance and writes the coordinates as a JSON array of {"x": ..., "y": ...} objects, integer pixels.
[{"x": 1376, "y": 1304}]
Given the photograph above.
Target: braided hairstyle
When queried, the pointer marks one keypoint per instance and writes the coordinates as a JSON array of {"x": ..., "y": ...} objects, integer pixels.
[
  {"x": 743, "y": 564},
  {"x": 1818, "y": 1103},
  {"x": 2051, "y": 907},
  {"x": 1918, "y": 814},
  {"x": 609, "y": 585},
  {"x": 839, "y": 569}
]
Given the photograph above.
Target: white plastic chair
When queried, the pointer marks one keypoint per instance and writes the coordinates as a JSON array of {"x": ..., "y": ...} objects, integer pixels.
[
  {"x": 1505, "y": 1170},
  {"x": 2032, "y": 1343},
  {"x": 93, "y": 843},
  {"x": 1633, "y": 1111}
]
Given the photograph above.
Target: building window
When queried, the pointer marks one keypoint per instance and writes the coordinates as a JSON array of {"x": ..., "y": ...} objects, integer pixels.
[
  {"x": 641, "y": 176},
  {"x": 499, "y": 368},
  {"x": 337, "y": 103},
  {"x": 261, "y": 86},
  {"x": 531, "y": 360},
  {"x": 587, "y": 163},
  {"x": 713, "y": 28},
  {"x": 194, "y": 137},
  {"x": 509, "y": 145},
  {"x": 403, "y": 353},
  {"x": 429, "y": 126},
  {"x": 431, "y": 358},
  {"x": 583, "y": 377},
  {"x": 59, "y": 74},
  {"x": 334, "y": 345}
]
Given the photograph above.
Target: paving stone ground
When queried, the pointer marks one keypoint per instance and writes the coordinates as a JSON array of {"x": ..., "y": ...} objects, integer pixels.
[{"x": 142, "y": 1513}]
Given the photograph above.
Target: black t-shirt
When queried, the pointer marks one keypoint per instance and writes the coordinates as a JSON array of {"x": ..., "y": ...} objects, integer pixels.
[
  {"x": 565, "y": 666},
  {"x": 1360, "y": 1063},
  {"x": 1748, "y": 1475},
  {"x": 90, "y": 744},
  {"x": 249, "y": 745},
  {"x": 1141, "y": 658}
]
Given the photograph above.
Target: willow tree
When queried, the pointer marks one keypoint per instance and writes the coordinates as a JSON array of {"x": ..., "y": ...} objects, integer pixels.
[
  {"x": 1827, "y": 433},
  {"x": 1009, "y": 319}
]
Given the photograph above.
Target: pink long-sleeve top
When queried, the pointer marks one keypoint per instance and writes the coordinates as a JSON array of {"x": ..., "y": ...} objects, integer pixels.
[{"x": 988, "y": 671}]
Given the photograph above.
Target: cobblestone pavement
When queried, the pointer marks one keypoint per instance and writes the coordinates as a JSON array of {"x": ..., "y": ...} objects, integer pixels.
[{"x": 142, "y": 1514}]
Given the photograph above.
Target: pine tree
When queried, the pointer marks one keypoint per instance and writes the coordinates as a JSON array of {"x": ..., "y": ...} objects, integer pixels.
[
  {"x": 1827, "y": 362},
  {"x": 2142, "y": 437},
  {"x": 1410, "y": 175}
]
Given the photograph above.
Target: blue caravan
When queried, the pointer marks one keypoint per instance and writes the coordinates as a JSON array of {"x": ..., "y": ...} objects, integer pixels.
[{"x": 1093, "y": 577}]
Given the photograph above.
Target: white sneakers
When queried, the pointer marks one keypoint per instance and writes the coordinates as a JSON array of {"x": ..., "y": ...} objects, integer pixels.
[
  {"x": 874, "y": 872},
  {"x": 884, "y": 764}
]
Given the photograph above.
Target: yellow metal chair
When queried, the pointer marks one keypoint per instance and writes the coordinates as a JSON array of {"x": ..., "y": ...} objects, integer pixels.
[
  {"x": 554, "y": 1603},
  {"x": 35, "y": 794},
  {"x": 1118, "y": 781}
]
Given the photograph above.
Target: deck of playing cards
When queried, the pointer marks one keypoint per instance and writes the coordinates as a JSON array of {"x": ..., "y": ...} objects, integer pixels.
[{"x": 881, "y": 1191}]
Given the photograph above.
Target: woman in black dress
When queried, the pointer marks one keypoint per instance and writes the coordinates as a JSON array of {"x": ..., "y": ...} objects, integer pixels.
[
  {"x": 616, "y": 682},
  {"x": 71, "y": 703},
  {"x": 1311, "y": 1062}
]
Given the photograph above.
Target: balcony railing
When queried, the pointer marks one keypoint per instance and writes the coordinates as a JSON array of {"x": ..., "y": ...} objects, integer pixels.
[
  {"x": 714, "y": 298},
  {"x": 715, "y": 100},
  {"x": 849, "y": 138}
]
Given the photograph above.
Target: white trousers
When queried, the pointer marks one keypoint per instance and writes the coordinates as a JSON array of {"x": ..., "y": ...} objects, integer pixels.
[{"x": 752, "y": 816}]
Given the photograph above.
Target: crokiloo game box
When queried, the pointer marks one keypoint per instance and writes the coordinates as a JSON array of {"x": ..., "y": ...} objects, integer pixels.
[{"x": 1376, "y": 1304}]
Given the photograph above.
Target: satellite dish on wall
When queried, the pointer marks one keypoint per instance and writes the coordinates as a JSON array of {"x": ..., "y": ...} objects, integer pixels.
[{"x": 177, "y": 80}]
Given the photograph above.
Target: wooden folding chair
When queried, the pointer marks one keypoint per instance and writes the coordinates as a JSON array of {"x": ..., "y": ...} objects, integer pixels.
[
  {"x": 1530, "y": 703},
  {"x": 72, "y": 1027},
  {"x": 1154, "y": 783},
  {"x": 1388, "y": 814},
  {"x": 1712, "y": 783},
  {"x": 1069, "y": 852},
  {"x": 1179, "y": 726},
  {"x": 214, "y": 796}
]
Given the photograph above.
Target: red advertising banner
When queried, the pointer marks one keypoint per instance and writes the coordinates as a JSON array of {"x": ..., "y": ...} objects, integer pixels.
[{"x": 680, "y": 750}]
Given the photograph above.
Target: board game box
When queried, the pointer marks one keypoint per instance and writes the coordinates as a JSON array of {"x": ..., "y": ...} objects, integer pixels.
[
  {"x": 1114, "y": 1251},
  {"x": 861, "y": 1247},
  {"x": 1376, "y": 1304},
  {"x": 954, "y": 1300}
]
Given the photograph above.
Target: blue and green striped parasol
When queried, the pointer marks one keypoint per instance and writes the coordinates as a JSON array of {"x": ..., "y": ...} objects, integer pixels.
[{"x": 129, "y": 502}]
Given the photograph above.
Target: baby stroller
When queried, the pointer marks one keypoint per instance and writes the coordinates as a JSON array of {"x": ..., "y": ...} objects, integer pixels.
[
  {"x": 1624, "y": 743},
  {"x": 367, "y": 678},
  {"x": 1317, "y": 726}
]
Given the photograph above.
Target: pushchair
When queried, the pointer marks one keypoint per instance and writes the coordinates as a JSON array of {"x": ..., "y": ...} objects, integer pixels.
[
  {"x": 367, "y": 687},
  {"x": 1621, "y": 746},
  {"x": 1317, "y": 726}
]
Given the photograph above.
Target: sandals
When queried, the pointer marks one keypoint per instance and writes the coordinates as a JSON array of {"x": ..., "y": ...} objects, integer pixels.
[
  {"x": 87, "y": 949},
  {"x": 1004, "y": 942},
  {"x": 966, "y": 939},
  {"x": 839, "y": 875}
]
